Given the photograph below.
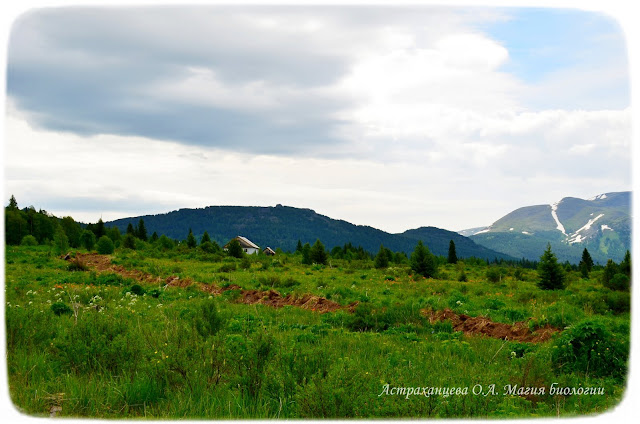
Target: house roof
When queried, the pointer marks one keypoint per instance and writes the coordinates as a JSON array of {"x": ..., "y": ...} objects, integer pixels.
[
  {"x": 269, "y": 250},
  {"x": 245, "y": 242}
]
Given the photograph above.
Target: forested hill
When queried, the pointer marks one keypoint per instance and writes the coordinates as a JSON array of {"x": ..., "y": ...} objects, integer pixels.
[{"x": 282, "y": 227}]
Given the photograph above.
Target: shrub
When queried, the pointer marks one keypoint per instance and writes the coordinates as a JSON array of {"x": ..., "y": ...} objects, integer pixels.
[
  {"x": 618, "y": 302},
  {"x": 207, "y": 321},
  {"x": 105, "y": 246},
  {"x": 591, "y": 348},
  {"x": 493, "y": 274},
  {"x": 227, "y": 267},
  {"x": 60, "y": 308},
  {"x": 137, "y": 290},
  {"x": 462, "y": 277},
  {"x": 618, "y": 282},
  {"x": 88, "y": 239},
  {"x": 29, "y": 240},
  {"x": 129, "y": 242}
]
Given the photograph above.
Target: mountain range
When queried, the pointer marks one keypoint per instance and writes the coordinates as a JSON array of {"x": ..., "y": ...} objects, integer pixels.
[
  {"x": 282, "y": 227},
  {"x": 602, "y": 224}
]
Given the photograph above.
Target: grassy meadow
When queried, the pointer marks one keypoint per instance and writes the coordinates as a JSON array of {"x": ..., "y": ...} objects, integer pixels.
[{"x": 88, "y": 343}]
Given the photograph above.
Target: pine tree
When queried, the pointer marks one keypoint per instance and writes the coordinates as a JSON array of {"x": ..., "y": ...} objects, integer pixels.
[
  {"x": 100, "y": 230},
  {"x": 625, "y": 265},
  {"x": 452, "y": 258},
  {"x": 129, "y": 241},
  {"x": 318, "y": 254},
  {"x": 306, "y": 254},
  {"x": 299, "y": 246},
  {"x": 154, "y": 237},
  {"x": 586, "y": 263},
  {"x": 131, "y": 230},
  {"x": 141, "y": 230},
  {"x": 13, "y": 204},
  {"x": 191, "y": 239},
  {"x": 382, "y": 258},
  {"x": 550, "y": 271},
  {"x": 423, "y": 262},
  {"x": 205, "y": 238}
]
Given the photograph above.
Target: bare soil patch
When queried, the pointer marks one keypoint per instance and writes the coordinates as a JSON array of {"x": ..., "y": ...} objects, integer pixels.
[
  {"x": 519, "y": 331},
  {"x": 102, "y": 263}
]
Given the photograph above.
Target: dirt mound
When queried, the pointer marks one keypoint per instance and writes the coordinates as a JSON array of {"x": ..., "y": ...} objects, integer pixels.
[
  {"x": 102, "y": 263},
  {"x": 484, "y": 326},
  {"x": 276, "y": 300}
]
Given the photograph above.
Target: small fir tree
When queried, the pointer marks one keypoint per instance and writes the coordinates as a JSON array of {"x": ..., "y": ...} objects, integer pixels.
[
  {"x": 586, "y": 264},
  {"x": 318, "y": 253},
  {"x": 141, "y": 230},
  {"x": 191, "y": 239},
  {"x": 423, "y": 262},
  {"x": 452, "y": 258},
  {"x": 550, "y": 272},
  {"x": 100, "y": 230},
  {"x": 131, "y": 230},
  {"x": 205, "y": 238},
  {"x": 382, "y": 258}
]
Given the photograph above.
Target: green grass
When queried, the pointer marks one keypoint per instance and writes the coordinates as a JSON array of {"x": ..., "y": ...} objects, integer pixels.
[{"x": 186, "y": 354}]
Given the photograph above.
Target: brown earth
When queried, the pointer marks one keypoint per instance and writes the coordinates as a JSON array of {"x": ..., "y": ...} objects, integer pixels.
[
  {"x": 519, "y": 331},
  {"x": 461, "y": 322},
  {"x": 102, "y": 263}
]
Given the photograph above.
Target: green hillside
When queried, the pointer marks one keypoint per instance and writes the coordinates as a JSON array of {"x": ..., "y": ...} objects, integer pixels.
[{"x": 282, "y": 227}]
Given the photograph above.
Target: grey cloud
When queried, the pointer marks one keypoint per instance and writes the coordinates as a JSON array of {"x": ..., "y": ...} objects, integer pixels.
[
  {"x": 90, "y": 70},
  {"x": 85, "y": 71}
]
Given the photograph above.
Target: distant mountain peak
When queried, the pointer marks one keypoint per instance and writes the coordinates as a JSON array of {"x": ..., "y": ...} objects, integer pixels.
[{"x": 602, "y": 223}]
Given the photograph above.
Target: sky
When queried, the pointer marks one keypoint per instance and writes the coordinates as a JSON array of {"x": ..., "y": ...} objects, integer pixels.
[{"x": 393, "y": 117}]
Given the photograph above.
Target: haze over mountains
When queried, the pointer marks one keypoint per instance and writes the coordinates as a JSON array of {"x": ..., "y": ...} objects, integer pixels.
[
  {"x": 602, "y": 224},
  {"x": 282, "y": 227}
]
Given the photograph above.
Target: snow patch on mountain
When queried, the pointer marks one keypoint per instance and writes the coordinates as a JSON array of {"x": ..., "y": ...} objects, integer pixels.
[
  {"x": 554, "y": 208},
  {"x": 598, "y": 197},
  {"x": 486, "y": 230},
  {"x": 527, "y": 233},
  {"x": 576, "y": 237},
  {"x": 605, "y": 227}
]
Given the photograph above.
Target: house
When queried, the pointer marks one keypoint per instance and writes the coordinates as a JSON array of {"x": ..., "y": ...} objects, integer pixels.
[
  {"x": 247, "y": 245},
  {"x": 269, "y": 251}
]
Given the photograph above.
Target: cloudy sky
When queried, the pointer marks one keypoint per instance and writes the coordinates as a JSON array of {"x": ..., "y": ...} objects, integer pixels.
[{"x": 394, "y": 117}]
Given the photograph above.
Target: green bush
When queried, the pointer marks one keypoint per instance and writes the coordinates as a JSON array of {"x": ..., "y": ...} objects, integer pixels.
[
  {"x": 137, "y": 290},
  {"x": 227, "y": 267},
  {"x": 29, "y": 240},
  {"x": 207, "y": 321},
  {"x": 493, "y": 274},
  {"x": 590, "y": 347},
  {"x": 619, "y": 281},
  {"x": 105, "y": 246},
  {"x": 60, "y": 308},
  {"x": 618, "y": 302}
]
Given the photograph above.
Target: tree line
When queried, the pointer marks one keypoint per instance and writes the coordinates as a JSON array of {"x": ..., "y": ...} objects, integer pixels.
[{"x": 30, "y": 227}]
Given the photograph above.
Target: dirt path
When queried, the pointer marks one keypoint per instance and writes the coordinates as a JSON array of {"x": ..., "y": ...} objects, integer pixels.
[
  {"x": 468, "y": 325},
  {"x": 484, "y": 326}
]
